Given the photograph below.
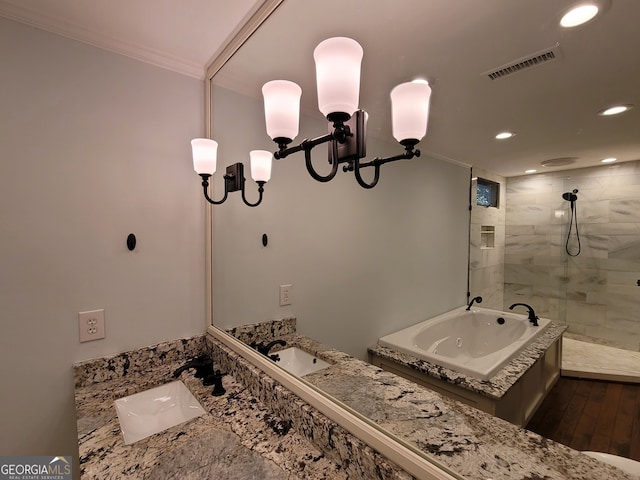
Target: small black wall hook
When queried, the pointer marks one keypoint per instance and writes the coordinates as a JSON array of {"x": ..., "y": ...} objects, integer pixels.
[{"x": 131, "y": 242}]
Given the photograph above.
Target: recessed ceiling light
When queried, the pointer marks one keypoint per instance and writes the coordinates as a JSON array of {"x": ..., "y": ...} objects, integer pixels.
[
  {"x": 422, "y": 81},
  {"x": 579, "y": 15},
  {"x": 608, "y": 160},
  {"x": 530, "y": 171},
  {"x": 615, "y": 110},
  {"x": 503, "y": 135}
]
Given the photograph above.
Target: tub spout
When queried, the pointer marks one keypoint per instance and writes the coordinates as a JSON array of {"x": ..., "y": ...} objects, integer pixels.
[
  {"x": 474, "y": 299},
  {"x": 533, "y": 318}
]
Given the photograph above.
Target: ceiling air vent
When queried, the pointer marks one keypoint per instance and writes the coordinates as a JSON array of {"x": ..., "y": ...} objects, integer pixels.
[{"x": 524, "y": 63}]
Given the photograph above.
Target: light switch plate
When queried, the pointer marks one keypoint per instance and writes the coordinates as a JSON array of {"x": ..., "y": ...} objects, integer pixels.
[{"x": 285, "y": 295}]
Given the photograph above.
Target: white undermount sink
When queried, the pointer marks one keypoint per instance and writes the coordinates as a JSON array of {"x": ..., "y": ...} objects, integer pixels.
[
  {"x": 154, "y": 410},
  {"x": 298, "y": 362}
]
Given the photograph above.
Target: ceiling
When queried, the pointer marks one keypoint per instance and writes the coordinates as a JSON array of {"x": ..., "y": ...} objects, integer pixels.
[
  {"x": 552, "y": 107},
  {"x": 179, "y": 35}
]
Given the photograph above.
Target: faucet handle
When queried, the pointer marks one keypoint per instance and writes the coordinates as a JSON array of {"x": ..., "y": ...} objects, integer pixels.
[{"x": 218, "y": 388}]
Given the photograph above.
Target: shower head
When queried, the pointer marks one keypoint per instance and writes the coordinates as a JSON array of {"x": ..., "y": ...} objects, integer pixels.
[{"x": 570, "y": 196}]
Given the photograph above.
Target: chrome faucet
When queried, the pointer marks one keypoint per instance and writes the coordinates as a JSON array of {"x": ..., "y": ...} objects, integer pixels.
[
  {"x": 533, "y": 318},
  {"x": 477, "y": 299}
]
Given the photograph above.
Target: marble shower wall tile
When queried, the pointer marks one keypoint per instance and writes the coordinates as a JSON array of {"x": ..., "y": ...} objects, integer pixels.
[
  {"x": 528, "y": 214},
  {"x": 624, "y": 247},
  {"x": 597, "y": 294}
]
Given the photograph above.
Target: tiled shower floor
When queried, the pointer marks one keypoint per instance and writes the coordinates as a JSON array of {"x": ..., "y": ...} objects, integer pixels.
[{"x": 601, "y": 362}]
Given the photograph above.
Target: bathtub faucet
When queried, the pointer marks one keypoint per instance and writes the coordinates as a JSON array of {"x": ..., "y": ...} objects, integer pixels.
[
  {"x": 533, "y": 318},
  {"x": 474, "y": 299}
]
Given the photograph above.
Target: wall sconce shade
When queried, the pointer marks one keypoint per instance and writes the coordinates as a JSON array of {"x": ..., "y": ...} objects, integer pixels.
[
  {"x": 338, "y": 76},
  {"x": 410, "y": 111},
  {"x": 260, "y": 165},
  {"x": 282, "y": 109},
  {"x": 205, "y": 154}
]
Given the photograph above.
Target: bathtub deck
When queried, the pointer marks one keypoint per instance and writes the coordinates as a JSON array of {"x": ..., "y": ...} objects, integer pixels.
[{"x": 498, "y": 385}]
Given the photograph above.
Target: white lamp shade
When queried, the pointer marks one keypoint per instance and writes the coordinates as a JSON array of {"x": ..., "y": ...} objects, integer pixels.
[
  {"x": 410, "y": 110},
  {"x": 205, "y": 155},
  {"x": 338, "y": 75},
  {"x": 260, "y": 165},
  {"x": 282, "y": 108}
]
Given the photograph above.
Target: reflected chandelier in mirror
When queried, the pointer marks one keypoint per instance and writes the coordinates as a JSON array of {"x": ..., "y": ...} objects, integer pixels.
[{"x": 337, "y": 62}]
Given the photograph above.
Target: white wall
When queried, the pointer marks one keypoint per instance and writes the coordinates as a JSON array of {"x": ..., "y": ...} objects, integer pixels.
[
  {"x": 362, "y": 263},
  {"x": 94, "y": 146}
]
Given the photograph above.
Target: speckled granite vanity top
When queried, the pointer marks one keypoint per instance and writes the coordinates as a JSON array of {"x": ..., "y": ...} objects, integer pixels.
[
  {"x": 474, "y": 444},
  {"x": 237, "y": 437}
]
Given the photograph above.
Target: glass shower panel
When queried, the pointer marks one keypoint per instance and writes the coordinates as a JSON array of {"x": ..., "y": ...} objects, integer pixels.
[
  {"x": 534, "y": 264},
  {"x": 603, "y": 254}
]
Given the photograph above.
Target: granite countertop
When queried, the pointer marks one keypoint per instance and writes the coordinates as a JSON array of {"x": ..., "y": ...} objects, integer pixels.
[
  {"x": 496, "y": 386},
  {"x": 237, "y": 437},
  {"x": 470, "y": 442}
]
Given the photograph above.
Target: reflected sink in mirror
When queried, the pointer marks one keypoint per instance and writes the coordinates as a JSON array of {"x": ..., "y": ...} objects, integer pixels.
[
  {"x": 298, "y": 362},
  {"x": 154, "y": 410}
]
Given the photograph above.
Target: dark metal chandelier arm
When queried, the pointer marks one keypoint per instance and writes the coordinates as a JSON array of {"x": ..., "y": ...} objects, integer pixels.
[
  {"x": 361, "y": 182},
  {"x": 316, "y": 175},
  {"x": 305, "y": 145},
  {"x": 378, "y": 162},
  {"x": 339, "y": 134},
  {"x": 407, "y": 155},
  {"x": 260, "y": 192},
  {"x": 205, "y": 186}
]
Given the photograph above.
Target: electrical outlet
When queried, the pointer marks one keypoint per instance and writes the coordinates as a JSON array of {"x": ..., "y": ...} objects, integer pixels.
[
  {"x": 285, "y": 295},
  {"x": 91, "y": 325}
]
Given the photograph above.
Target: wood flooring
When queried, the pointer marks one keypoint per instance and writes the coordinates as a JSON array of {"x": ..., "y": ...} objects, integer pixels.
[{"x": 592, "y": 415}]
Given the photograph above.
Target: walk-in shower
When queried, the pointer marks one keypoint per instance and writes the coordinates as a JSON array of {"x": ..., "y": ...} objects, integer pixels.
[
  {"x": 573, "y": 222},
  {"x": 595, "y": 293}
]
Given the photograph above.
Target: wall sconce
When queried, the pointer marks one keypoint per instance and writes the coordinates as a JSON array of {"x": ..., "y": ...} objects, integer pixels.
[
  {"x": 338, "y": 80},
  {"x": 205, "y": 153}
]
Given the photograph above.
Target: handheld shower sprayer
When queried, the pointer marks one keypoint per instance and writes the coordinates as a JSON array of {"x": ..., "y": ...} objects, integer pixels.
[{"x": 572, "y": 197}]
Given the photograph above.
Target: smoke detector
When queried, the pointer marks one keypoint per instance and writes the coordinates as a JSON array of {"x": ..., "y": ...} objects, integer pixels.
[{"x": 559, "y": 162}]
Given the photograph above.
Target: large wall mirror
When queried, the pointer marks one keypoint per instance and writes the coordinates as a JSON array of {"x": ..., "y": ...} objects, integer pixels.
[{"x": 364, "y": 263}]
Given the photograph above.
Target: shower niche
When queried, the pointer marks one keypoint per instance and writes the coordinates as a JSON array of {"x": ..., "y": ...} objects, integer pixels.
[{"x": 487, "y": 236}]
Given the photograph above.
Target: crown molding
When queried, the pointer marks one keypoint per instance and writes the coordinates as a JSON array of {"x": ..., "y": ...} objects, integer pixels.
[{"x": 22, "y": 14}]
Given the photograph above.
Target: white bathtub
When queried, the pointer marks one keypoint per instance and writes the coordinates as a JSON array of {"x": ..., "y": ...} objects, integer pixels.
[{"x": 470, "y": 342}]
